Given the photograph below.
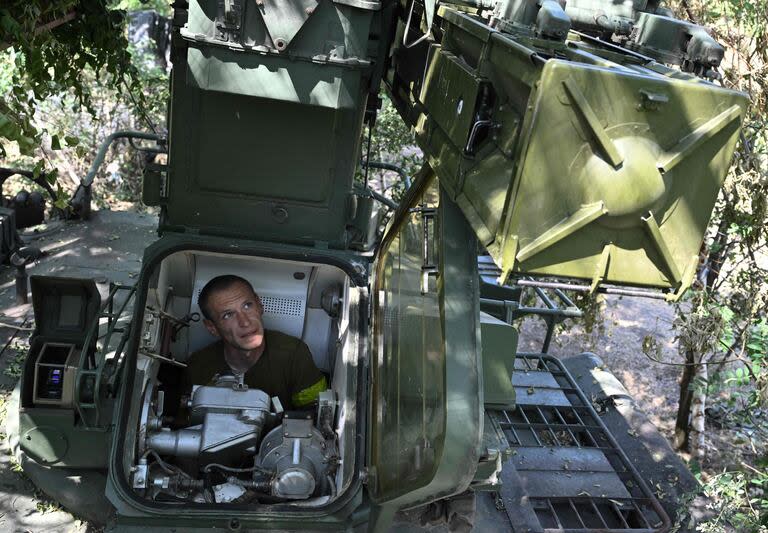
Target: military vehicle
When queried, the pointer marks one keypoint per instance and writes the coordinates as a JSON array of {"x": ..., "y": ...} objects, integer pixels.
[{"x": 569, "y": 145}]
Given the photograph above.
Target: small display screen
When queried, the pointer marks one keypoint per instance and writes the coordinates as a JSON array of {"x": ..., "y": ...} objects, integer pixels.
[{"x": 51, "y": 383}]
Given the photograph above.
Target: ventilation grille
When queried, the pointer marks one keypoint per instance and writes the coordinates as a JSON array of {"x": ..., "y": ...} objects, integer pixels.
[
  {"x": 276, "y": 305},
  {"x": 576, "y": 476}
]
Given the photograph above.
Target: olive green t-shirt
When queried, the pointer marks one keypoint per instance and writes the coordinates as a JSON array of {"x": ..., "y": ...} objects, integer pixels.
[{"x": 285, "y": 369}]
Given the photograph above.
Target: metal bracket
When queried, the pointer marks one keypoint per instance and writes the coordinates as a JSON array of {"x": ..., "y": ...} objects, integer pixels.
[
  {"x": 652, "y": 101},
  {"x": 229, "y": 20},
  {"x": 427, "y": 35}
]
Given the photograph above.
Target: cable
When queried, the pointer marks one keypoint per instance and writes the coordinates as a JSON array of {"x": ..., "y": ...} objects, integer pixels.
[
  {"x": 368, "y": 152},
  {"x": 237, "y": 470},
  {"x": 168, "y": 469}
]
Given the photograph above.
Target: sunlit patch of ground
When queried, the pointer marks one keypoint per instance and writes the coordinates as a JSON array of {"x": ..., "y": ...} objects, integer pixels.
[{"x": 618, "y": 340}]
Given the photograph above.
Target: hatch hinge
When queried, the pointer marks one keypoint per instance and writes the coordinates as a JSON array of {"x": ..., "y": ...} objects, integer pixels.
[{"x": 368, "y": 475}]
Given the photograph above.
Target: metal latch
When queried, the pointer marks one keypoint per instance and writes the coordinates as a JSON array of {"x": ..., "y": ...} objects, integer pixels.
[
  {"x": 428, "y": 252},
  {"x": 229, "y": 20}
]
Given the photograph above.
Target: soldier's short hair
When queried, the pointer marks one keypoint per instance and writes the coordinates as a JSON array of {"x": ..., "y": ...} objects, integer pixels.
[{"x": 219, "y": 283}]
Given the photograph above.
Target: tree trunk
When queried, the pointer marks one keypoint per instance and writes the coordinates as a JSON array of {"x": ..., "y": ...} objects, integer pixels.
[
  {"x": 682, "y": 424},
  {"x": 716, "y": 259},
  {"x": 698, "y": 405}
]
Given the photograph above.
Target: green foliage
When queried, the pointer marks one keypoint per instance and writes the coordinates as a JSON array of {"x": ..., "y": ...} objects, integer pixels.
[
  {"x": 57, "y": 59},
  {"x": 592, "y": 305},
  {"x": 17, "y": 354},
  {"x": 162, "y": 7},
  {"x": 730, "y": 330},
  {"x": 391, "y": 142},
  {"x": 750, "y": 14},
  {"x": 739, "y": 499},
  {"x": 90, "y": 83}
]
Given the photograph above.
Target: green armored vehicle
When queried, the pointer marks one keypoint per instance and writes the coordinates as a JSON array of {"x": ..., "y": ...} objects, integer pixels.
[{"x": 583, "y": 140}]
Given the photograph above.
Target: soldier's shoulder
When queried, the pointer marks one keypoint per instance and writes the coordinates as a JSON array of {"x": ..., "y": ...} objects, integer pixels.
[{"x": 284, "y": 342}]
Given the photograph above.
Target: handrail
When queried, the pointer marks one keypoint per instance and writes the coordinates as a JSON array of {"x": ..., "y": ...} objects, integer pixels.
[
  {"x": 101, "y": 154},
  {"x": 388, "y": 166}
]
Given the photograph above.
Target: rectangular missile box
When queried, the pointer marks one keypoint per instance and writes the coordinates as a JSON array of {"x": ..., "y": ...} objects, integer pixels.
[{"x": 573, "y": 158}]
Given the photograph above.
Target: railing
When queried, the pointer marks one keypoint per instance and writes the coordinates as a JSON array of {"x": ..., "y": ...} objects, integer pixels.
[
  {"x": 506, "y": 302},
  {"x": 576, "y": 476}
]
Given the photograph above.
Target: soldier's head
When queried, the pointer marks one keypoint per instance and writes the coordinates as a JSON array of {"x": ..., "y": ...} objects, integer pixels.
[{"x": 233, "y": 312}]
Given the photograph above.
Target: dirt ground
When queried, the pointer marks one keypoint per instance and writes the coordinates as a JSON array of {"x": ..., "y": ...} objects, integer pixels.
[
  {"x": 617, "y": 338},
  {"x": 106, "y": 249}
]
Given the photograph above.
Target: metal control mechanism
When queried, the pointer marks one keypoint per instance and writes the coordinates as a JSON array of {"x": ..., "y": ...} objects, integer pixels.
[
  {"x": 55, "y": 371},
  {"x": 227, "y": 420},
  {"x": 220, "y": 455},
  {"x": 645, "y": 27},
  {"x": 301, "y": 458}
]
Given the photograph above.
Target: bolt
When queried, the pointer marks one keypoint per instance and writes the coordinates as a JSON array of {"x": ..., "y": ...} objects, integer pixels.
[{"x": 310, "y": 10}]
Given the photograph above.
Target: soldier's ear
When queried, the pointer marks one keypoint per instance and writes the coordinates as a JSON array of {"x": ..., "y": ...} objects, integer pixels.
[{"x": 211, "y": 327}]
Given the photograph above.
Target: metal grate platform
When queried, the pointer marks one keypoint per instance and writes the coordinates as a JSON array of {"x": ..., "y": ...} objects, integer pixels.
[{"x": 568, "y": 473}]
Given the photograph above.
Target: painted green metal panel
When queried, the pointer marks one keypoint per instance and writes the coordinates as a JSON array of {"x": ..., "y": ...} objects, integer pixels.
[
  {"x": 52, "y": 437},
  {"x": 408, "y": 418},
  {"x": 451, "y": 93},
  {"x": 231, "y": 72},
  {"x": 614, "y": 152},
  {"x": 426, "y": 406},
  {"x": 499, "y": 349},
  {"x": 245, "y": 74}
]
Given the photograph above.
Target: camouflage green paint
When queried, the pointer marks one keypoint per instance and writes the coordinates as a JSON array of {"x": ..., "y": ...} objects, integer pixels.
[
  {"x": 238, "y": 164},
  {"x": 587, "y": 164},
  {"x": 426, "y": 412}
]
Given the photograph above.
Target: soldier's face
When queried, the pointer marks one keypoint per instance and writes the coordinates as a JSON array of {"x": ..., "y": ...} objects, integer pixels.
[{"x": 236, "y": 314}]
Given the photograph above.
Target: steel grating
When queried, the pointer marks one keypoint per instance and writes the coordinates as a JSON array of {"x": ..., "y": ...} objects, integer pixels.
[{"x": 567, "y": 472}]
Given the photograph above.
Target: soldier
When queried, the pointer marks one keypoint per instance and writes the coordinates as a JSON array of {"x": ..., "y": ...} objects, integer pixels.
[{"x": 278, "y": 364}]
